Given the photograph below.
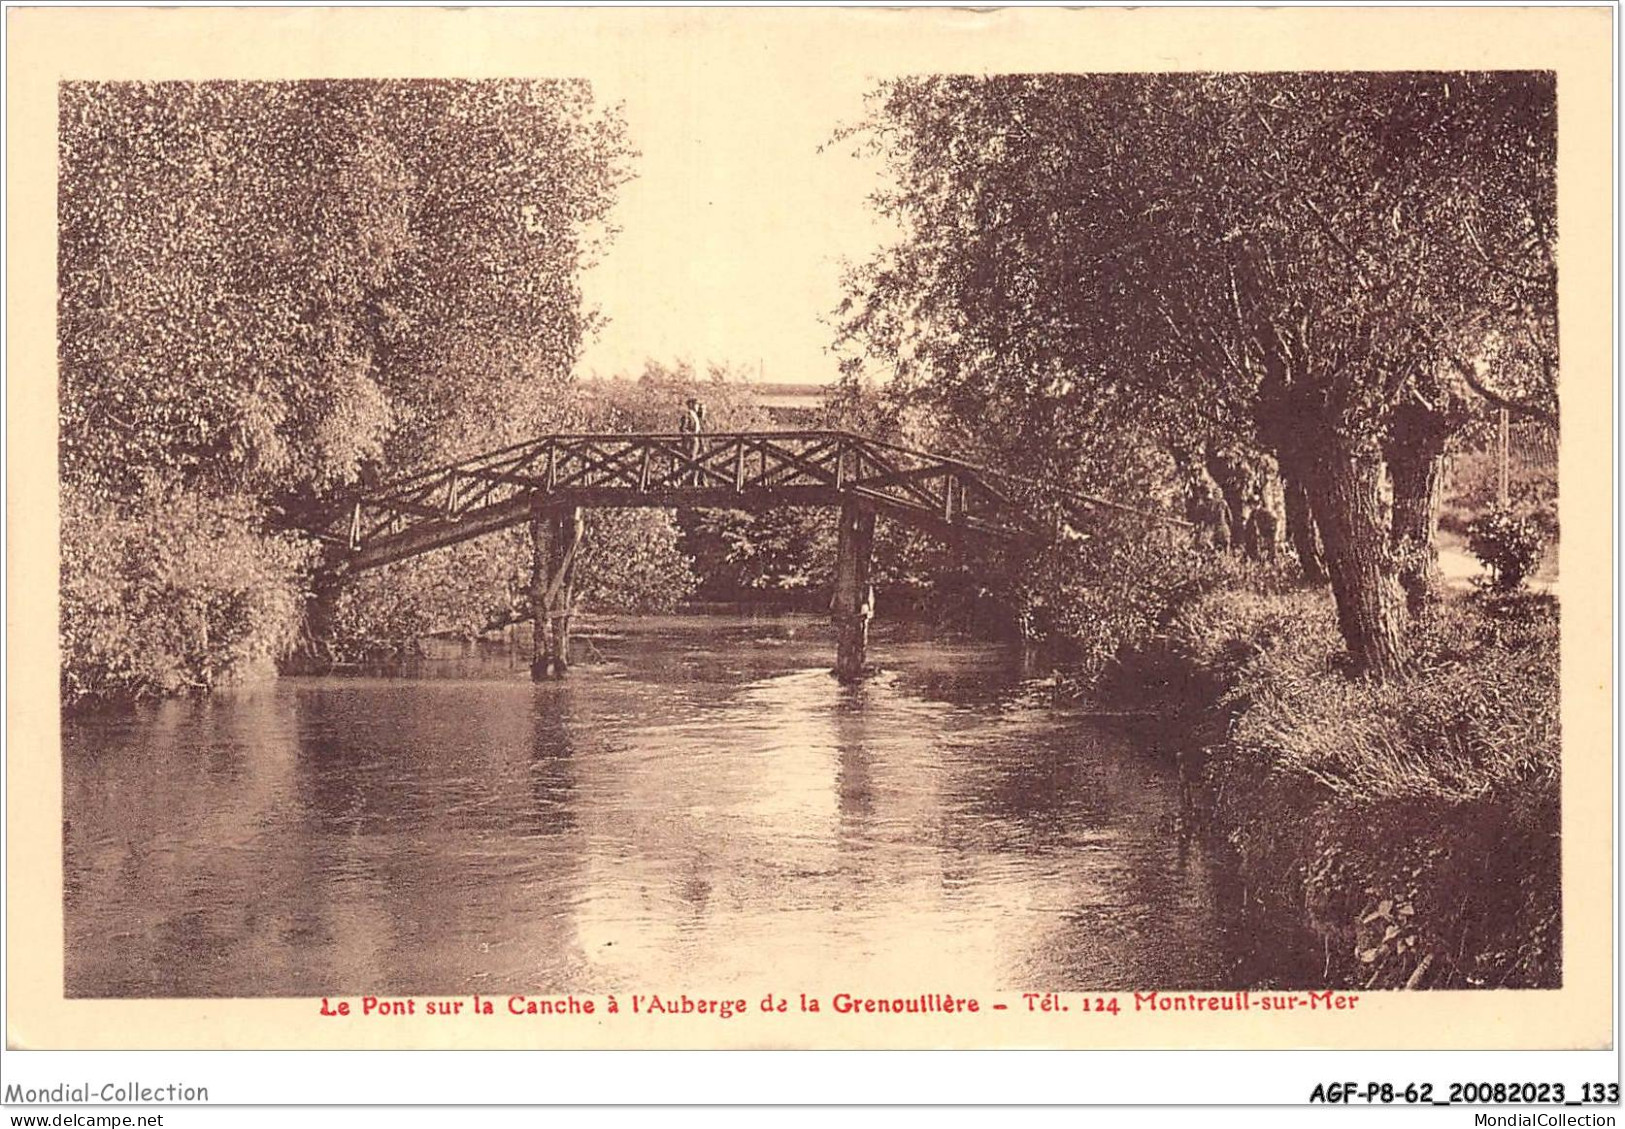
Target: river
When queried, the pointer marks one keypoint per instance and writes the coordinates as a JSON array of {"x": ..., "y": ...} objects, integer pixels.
[{"x": 701, "y": 807}]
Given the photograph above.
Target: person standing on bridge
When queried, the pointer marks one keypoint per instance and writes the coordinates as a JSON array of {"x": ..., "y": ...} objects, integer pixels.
[{"x": 693, "y": 422}]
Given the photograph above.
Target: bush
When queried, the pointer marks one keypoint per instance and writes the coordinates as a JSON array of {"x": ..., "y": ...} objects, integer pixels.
[
  {"x": 461, "y": 590},
  {"x": 628, "y": 562},
  {"x": 751, "y": 556},
  {"x": 1510, "y": 547},
  {"x": 1472, "y": 487},
  {"x": 167, "y": 592},
  {"x": 631, "y": 562},
  {"x": 1096, "y": 595}
]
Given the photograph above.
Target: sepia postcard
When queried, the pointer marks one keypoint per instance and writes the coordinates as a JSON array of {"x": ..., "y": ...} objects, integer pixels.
[{"x": 810, "y": 528}]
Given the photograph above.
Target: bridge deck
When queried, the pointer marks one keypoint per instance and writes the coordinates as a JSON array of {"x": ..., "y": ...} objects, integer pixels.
[{"x": 743, "y": 470}]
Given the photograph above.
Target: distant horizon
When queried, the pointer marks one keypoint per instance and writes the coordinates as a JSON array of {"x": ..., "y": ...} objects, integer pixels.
[{"x": 767, "y": 387}]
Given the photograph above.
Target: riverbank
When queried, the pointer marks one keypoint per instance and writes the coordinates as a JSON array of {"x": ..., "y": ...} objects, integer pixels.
[{"x": 1404, "y": 835}]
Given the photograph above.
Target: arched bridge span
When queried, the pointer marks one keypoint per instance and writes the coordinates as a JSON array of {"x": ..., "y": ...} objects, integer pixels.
[{"x": 546, "y": 482}]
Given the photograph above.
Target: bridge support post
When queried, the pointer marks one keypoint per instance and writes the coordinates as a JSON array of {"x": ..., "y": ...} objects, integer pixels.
[
  {"x": 555, "y": 537},
  {"x": 853, "y": 603}
]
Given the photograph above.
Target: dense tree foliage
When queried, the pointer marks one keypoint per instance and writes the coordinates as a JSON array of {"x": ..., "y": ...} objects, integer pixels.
[
  {"x": 263, "y": 284},
  {"x": 268, "y": 290},
  {"x": 167, "y": 592},
  {"x": 1102, "y": 274}
]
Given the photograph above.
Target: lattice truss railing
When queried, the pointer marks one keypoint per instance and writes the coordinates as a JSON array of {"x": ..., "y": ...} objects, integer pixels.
[{"x": 747, "y": 470}]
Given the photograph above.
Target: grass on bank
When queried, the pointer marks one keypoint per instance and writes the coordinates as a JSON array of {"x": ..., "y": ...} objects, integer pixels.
[
  {"x": 1408, "y": 829},
  {"x": 1476, "y": 716}
]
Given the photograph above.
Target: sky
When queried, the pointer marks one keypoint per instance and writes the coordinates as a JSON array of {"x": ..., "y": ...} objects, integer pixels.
[{"x": 733, "y": 232}]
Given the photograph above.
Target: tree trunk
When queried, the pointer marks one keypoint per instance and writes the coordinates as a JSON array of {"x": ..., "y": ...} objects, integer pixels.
[
  {"x": 1346, "y": 497},
  {"x": 1232, "y": 480},
  {"x": 1204, "y": 502},
  {"x": 1416, "y": 470},
  {"x": 541, "y": 567},
  {"x": 1262, "y": 538},
  {"x": 1300, "y": 527}
]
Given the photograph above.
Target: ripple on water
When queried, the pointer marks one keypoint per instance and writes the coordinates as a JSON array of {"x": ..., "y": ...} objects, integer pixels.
[{"x": 707, "y": 808}]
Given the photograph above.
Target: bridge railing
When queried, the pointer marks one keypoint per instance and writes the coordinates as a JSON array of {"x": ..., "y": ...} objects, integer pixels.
[{"x": 746, "y": 470}]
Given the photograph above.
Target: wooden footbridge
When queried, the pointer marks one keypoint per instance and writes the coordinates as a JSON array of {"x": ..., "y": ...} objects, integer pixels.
[{"x": 546, "y": 482}]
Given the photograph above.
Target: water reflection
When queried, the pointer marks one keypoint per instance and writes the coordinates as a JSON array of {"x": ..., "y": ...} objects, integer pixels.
[{"x": 704, "y": 808}]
